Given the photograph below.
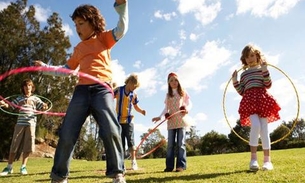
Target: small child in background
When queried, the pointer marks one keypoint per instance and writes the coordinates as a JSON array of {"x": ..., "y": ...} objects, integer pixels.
[
  {"x": 176, "y": 99},
  {"x": 126, "y": 100},
  {"x": 24, "y": 132},
  {"x": 257, "y": 107}
]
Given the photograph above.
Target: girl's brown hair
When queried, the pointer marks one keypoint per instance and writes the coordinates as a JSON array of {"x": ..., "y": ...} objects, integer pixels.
[
  {"x": 92, "y": 15},
  {"x": 250, "y": 48},
  {"x": 26, "y": 82},
  {"x": 170, "y": 90}
]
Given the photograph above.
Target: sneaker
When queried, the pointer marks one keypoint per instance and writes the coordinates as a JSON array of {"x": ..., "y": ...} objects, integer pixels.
[
  {"x": 6, "y": 171},
  {"x": 23, "y": 170},
  {"x": 134, "y": 165},
  {"x": 254, "y": 165},
  {"x": 268, "y": 166},
  {"x": 168, "y": 170},
  {"x": 61, "y": 181},
  {"x": 119, "y": 178},
  {"x": 179, "y": 169}
]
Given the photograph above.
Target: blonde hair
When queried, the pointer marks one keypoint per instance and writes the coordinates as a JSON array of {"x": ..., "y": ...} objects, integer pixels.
[
  {"x": 248, "y": 49},
  {"x": 133, "y": 79}
]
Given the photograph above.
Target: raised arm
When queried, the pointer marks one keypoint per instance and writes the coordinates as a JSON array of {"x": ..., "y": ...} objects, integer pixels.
[{"x": 121, "y": 6}]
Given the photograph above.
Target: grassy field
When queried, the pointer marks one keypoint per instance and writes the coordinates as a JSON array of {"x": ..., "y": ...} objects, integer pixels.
[{"x": 289, "y": 166}]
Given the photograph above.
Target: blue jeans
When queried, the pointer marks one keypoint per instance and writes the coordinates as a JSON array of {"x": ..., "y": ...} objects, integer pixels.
[
  {"x": 98, "y": 101},
  {"x": 180, "y": 133}
]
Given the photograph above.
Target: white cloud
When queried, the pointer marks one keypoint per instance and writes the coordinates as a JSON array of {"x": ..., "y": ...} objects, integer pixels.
[
  {"x": 193, "y": 37},
  {"x": 165, "y": 16},
  {"x": 137, "y": 64},
  {"x": 182, "y": 35},
  {"x": 4, "y": 5},
  {"x": 203, "y": 11},
  {"x": 67, "y": 29},
  {"x": 118, "y": 73},
  {"x": 150, "y": 41},
  {"x": 41, "y": 14},
  {"x": 265, "y": 8},
  {"x": 148, "y": 82},
  {"x": 202, "y": 64},
  {"x": 169, "y": 51}
]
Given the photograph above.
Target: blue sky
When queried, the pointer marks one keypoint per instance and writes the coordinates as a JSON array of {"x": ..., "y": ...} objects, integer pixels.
[{"x": 201, "y": 40}]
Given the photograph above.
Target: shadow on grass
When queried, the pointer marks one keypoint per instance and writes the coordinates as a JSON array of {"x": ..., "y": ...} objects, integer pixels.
[
  {"x": 174, "y": 176},
  {"x": 168, "y": 177}
]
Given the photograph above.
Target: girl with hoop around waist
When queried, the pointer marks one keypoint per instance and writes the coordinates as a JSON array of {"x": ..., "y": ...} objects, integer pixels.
[{"x": 257, "y": 107}]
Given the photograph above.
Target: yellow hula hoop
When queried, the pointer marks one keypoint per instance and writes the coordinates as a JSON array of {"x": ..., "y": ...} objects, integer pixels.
[{"x": 295, "y": 120}]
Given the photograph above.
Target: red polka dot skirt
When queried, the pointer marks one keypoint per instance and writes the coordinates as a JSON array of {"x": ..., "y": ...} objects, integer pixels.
[{"x": 258, "y": 101}]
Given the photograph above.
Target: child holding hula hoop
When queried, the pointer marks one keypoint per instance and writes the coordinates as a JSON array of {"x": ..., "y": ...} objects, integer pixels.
[
  {"x": 176, "y": 99},
  {"x": 24, "y": 132},
  {"x": 92, "y": 57},
  {"x": 257, "y": 107}
]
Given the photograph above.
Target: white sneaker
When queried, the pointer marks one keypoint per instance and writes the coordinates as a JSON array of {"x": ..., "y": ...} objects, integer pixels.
[
  {"x": 268, "y": 166},
  {"x": 134, "y": 165},
  {"x": 254, "y": 165},
  {"x": 23, "y": 171},
  {"x": 6, "y": 171},
  {"x": 119, "y": 178},
  {"x": 62, "y": 181}
]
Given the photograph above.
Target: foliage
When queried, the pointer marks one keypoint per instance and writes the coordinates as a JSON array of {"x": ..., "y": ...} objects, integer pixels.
[
  {"x": 237, "y": 144},
  {"x": 277, "y": 134},
  {"x": 151, "y": 142},
  {"x": 22, "y": 41},
  {"x": 214, "y": 143}
]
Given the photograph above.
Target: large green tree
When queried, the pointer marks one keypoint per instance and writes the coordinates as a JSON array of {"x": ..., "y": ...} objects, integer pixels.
[{"x": 23, "y": 40}]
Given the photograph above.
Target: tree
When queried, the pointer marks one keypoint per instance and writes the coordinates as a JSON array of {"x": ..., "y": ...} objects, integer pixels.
[
  {"x": 294, "y": 133},
  {"x": 192, "y": 141},
  {"x": 151, "y": 142},
  {"x": 22, "y": 41},
  {"x": 298, "y": 131},
  {"x": 277, "y": 134},
  {"x": 236, "y": 143},
  {"x": 214, "y": 143}
]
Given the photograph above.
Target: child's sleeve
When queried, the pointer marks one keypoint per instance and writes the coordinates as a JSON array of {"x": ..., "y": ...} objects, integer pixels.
[
  {"x": 187, "y": 102},
  {"x": 122, "y": 26},
  {"x": 267, "y": 79},
  {"x": 56, "y": 73},
  {"x": 165, "y": 108}
]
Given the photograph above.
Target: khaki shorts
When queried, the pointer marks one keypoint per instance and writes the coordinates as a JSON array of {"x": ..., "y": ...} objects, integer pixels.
[{"x": 23, "y": 139}]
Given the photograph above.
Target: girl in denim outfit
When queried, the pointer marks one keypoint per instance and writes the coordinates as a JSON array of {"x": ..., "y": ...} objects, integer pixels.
[
  {"x": 92, "y": 56},
  {"x": 176, "y": 99}
]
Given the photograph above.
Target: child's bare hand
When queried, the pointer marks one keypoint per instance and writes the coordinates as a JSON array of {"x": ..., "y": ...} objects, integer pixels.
[
  {"x": 264, "y": 66},
  {"x": 143, "y": 112},
  {"x": 234, "y": 76},
  {"x": 45, "y": 106},
  {"x": 120, "y": 1},
  {"x": 3, "y": 104},
  {"x": 156, "y": 119},
  {"x": 38, "y": 63}
]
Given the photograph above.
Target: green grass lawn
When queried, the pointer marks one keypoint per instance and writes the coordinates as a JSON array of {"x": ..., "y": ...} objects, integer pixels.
[{"x": 289, "y": 166}]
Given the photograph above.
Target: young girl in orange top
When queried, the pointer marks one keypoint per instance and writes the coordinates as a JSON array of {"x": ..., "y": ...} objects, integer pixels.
[{"x": 257, "y": 107}]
